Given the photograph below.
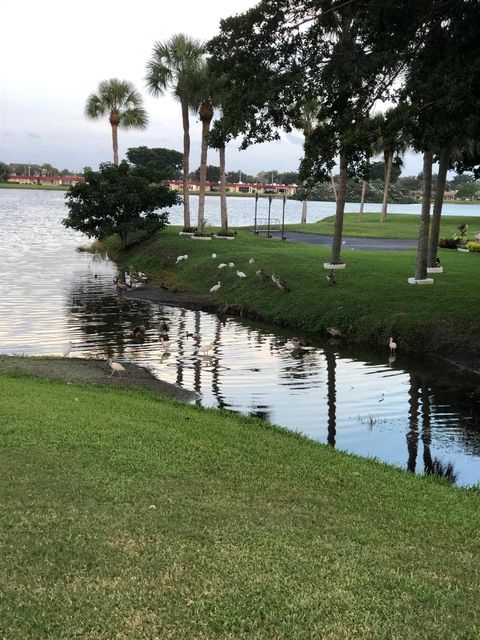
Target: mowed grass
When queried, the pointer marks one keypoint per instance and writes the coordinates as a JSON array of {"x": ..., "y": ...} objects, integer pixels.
[
  {"x": 126, "y": 516},
  {"x": 371, "y": 301},
  {"x": 395, "y": 226}
]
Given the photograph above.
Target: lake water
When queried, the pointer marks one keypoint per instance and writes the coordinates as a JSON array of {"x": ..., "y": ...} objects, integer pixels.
[{"x": 403, "y": 411}]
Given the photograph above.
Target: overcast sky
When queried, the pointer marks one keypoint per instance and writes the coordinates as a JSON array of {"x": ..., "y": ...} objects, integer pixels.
[{"x": 55, "y": 54}]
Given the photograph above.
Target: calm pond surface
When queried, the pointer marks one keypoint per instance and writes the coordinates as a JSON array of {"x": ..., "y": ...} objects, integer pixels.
[{"x": 403, "y": 411}]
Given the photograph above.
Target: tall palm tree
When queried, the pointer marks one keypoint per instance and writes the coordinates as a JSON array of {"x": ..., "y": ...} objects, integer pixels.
[
  {"x": 306, "y": 121},
  {"x": 171, "y": 66},
  {"x": 394, "y": 143},
  {"x": 122, "y": 103},
  {"x": 374, "y": 148}
]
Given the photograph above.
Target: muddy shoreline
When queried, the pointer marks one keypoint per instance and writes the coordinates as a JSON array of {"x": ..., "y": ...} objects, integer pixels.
[
  {"x": 92, "y": 371},
  {"x": 467, "y": 362}
]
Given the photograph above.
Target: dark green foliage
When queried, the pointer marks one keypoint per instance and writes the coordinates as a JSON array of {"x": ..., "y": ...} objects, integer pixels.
[
  {"x": 4, "y": 172},
  {"x": 377, "y": 170},
  {"x": 167, "y": 162},
  {"x": 118, "y": 200},
  {"x": 213, "y": 174},
  {"x": 322, "y": 191}
]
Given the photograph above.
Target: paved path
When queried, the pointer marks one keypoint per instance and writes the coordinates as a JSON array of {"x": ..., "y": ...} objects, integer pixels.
[{"x": 363, "y": 244}]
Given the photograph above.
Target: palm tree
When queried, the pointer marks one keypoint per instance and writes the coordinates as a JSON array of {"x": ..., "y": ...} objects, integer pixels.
[
  {"x": 171, "y": 66},
  {"x": 422, "y": 249},
  {"x": 394, "y": 143},
  {"x": 307, "y": 121},
  {"x": 122, "y": 103},
  {"x": 374, "y": 149}
]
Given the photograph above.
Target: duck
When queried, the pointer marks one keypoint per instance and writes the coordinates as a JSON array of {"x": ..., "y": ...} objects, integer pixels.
[
  {"x": 216, "y": 287},
  {"x": 299, "y": 344},
  {"x": 116, "y": 367},
  {"x": 281, "y": 284},
  {"x": 138, "y": 333},
  {"x": 331, "y": 278},
  {"x": 261, "y": 275},
  {"x": 392, "y": 345}
]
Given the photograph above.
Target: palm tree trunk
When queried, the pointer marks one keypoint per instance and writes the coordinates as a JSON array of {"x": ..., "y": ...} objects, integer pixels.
[
  {"x": 422, "y": 250},
  {"x": 304, "y": 211},
  {"x": 388, "y": 176},
  {"x": 115, "y": 143},
  {"x": 340, "y": 210},
  {"x": 334, "y": 186},
  {"x": 203, "y": 174},
  {"x": 223, "y": 192},
  {"x": 437, "y": 206},
  {"x": 186, "y": 166},
  {"x": 362, "y": 197}
]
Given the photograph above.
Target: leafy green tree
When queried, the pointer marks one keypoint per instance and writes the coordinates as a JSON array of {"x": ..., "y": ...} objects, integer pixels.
[
  {"x": 64, "y": 172},
  {"x": 212, "y": 174},
  {"x": 468, "y": 190},
  {"x": 4, "y": 172},
  {"x": 377, "y": 171},
  {"x": 49, "y": 170},
  {"x": 461, "y": 178},
  {"x": 167, "y": 162},
  {"x": 86, "y": 169},
  {"x": 171, "y": 66},
  {"x": 122, "y": 103},
  {"x": 118, "y": 199},
  {"x": 394, "y": 142}
]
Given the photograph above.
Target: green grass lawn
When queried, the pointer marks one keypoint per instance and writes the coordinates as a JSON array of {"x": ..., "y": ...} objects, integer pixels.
[
  {"x": 42, "y": 187},
  {"x": 132, "y": 517},
  {"x": 395, "y": 226},
  {"x": 370, "y": 302}
]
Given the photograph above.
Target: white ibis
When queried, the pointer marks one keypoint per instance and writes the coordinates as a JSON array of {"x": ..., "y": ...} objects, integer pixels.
[
  {"x": 180, "y": 258},
  {"x": 231, "y": 265},
  {"x": 222, "y": 265},
  {"x": 166, "y": 344},
  {"x": 251, "y": 261},
  {"x": 206, "y": 348},
  {"x": 67, "y": 348},
  {"x": 240, "y": 274},
  {"x": 216, "y": 287},
  {"x": 214, "y": 255},
  {"x": 261, "y": 275},
  {"x": 116, "y": 367},
  {"x": 392, "y": 345}
]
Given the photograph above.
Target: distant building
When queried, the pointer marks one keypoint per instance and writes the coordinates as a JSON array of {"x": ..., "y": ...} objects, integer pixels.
[
  {"x": 65, "y": 181},
  {"x": 448, "y": 195},
  {"x": 240, "y": 187}
]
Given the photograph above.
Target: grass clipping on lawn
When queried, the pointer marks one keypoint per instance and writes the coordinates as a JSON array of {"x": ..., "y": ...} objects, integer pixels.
[{"x": 129, "y": 516}]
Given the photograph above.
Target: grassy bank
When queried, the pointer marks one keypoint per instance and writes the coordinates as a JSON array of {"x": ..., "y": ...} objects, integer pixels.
[
  {"x": 395, "y": 226},
  {"x": 129, "y": 516},
  {"x": 370, "y": 302}
]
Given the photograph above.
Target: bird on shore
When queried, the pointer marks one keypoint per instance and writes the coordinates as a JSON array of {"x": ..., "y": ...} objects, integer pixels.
[
  {"x": 334, "y": 332},
  {"x": 206, "y": 348},
  {"x": 300, "y": 345},
  {"x": 120, "y": 285},
  {"x": 116, "y": 367},
  {"x": 138, "y": 333},
  {"x": 216, "y": 287},
  {"x": 222, "y": 265},
  {"x": 392, "y": 345},
  {"x": 438, "y": 263},
  {"x": 180, "y": 258},
  {"x": 251, "y": 261},
  {"x": 67, "y": 348},
  {"x": 280, "y": 282},
  {"x": 163, "y": 327},
  {"x": 240, "y": 274},
  {"x": 261, "y": 275},
  {"x": 231, "y": 265},
  {"x": 331, "y": 278},
  {"x": 214, "y": 255},
  {"x": 165, "y": 344}
]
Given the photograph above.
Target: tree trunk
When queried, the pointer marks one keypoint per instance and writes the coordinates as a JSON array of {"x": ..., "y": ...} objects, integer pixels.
[
  {"x": 388, "y": 176},
  {"x": 115, "y": 143},
  {"x": 334, "y": 186},
  {"x": 437, "y": 206},
  {"x": 304, "y": 211},
  {"x": 186, "y": 166},
  {"x": 203, "y": 174},
  {"x": 422, "y": 250},
  {"x": 123, "y": 239},
  {"x": 340, "y": 210},
  {"x": 223, "y": 192},
  {"x": 362, "y": 198}
]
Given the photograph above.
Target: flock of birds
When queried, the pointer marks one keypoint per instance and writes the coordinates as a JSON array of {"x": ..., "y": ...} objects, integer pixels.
[{"x": 138, "y": 333}]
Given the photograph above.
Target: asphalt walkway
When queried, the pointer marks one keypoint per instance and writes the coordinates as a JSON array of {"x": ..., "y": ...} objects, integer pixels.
[{"x": 362, "y": 244}]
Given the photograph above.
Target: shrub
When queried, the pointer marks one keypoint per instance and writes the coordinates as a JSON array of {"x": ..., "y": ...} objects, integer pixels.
[
  {"x": 448, "y": 243},
  {"x": 473, "y": 246}
]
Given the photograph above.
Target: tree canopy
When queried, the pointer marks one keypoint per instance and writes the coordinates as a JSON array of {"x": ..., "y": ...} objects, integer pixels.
[
  {"x": 118, "y": 199},
  {"x": 167, "y": 162},
  {"x": 4, "y": 172}
]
